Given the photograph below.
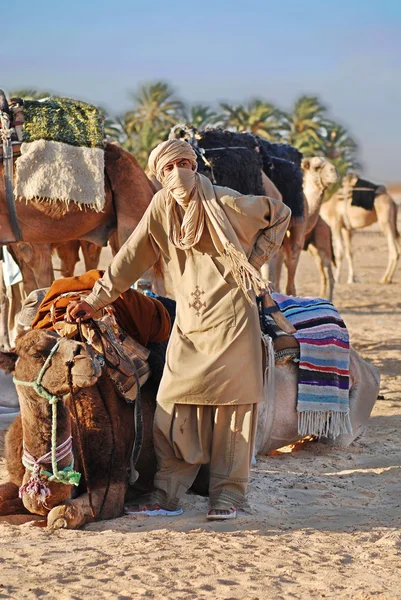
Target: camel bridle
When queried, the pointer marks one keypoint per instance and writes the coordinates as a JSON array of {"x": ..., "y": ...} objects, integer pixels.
[{"x": 36, "y": 485}]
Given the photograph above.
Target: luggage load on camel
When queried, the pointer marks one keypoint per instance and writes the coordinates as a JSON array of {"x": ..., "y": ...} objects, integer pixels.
[
  {"x": 62, "y": 152},
  {"x": 237, "y": 160}
]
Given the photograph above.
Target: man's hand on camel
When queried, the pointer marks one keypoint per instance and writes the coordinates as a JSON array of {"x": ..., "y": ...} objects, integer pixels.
[{"x": 79, "y": 310}]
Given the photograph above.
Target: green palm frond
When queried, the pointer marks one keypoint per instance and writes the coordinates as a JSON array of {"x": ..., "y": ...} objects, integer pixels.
[
  {"x": 258, "y": 117},
  {"x": 201, "y": 116}
]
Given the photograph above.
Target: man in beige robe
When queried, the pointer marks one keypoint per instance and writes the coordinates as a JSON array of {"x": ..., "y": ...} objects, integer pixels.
[{"x": 214, "y": 241}]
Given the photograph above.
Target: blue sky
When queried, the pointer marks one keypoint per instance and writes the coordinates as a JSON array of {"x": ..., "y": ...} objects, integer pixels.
[{"x": 346, "y": 52}]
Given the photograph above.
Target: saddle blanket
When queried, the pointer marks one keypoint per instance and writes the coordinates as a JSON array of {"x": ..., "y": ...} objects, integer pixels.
[
  {"x": 323, "y": 380},
  {"x": 363, "y": 194},
  {"x": 62, "y": 154}
]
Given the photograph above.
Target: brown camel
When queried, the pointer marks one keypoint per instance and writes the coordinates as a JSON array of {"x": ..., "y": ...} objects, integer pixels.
[
  {"x": 102, "y": 461},
  {"x": 318, "y": 174},
  {"x": 128, "y": 194},
  {"x": 44, "y": 225},
  {"x": 344, "y": 218}
]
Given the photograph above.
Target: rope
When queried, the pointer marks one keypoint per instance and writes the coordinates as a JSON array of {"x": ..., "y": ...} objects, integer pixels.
[{"x": 80, "y": 447}]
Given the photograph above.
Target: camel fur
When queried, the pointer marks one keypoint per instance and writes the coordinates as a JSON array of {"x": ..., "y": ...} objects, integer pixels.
[
  {"x": 318, "y": 175},
  {"x": 128, "y": 193},
  {"x": 96, "y": 401},
  {"x": 278, "y": 418},
  {"x": 344, "y": 219}
]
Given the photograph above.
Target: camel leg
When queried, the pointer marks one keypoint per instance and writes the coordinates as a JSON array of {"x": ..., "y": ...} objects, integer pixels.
[
  {"x": 292, "y": 252},
  {"x": 10, "y": 503},
  {"x": 323, "y": 263},
  {"x": 338, "y": 251},
  {"x": 271, "y": 271},
  {"x": 76, "y": 513},
  {"x": 113, "y": 243},
  {"x": 68, "y": 254},
  {"x": 388, "y": 227},
  {"x": 91, "y": 253},
  {"x": 346, "y": 237}
]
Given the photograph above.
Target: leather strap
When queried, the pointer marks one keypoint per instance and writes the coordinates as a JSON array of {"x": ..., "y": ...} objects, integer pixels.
[{"x": 8, "y": 167}]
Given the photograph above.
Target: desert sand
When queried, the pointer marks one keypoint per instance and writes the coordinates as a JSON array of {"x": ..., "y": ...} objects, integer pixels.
[{"x": 319, "y": 522}]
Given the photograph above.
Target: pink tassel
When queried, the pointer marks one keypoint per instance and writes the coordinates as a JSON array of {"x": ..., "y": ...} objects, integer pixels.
[{"x": 35, "y": 486}]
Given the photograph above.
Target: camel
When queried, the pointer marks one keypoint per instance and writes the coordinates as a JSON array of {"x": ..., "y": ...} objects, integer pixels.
[
  {"x": 278, "y": 418},
  {"x": 128, "y": 194},
  {"x": 318, "y": 175},
  {"x": 87, "y": 403},
  {"x": 48, "y": 225},
  {"x": 344, "y": 219}
]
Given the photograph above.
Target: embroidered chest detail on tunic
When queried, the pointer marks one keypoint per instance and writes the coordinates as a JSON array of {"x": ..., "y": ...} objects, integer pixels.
[{"x": 197, "y": 304}]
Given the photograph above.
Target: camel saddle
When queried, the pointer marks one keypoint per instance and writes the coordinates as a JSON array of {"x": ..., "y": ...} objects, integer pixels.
[{"x": 123, "y": 359}]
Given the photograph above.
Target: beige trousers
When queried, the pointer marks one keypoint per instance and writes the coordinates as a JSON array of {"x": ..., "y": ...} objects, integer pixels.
[{"x": 187, "y": 436}]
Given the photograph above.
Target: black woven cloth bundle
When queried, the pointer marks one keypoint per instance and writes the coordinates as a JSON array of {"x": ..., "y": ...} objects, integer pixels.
[{"x": 364, "y": 193}]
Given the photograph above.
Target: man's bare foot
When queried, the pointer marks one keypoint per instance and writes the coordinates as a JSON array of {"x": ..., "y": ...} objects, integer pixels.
[{"x": 219, "y": 514}]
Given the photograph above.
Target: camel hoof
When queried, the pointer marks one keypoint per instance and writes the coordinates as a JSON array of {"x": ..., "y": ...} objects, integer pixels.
[
  {"x": 61, "y": 517},
  {"x": 59, "y": 523}
]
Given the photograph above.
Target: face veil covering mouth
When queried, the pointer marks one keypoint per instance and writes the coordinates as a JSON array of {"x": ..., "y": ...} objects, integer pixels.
[{"x": 180, "y": 183}]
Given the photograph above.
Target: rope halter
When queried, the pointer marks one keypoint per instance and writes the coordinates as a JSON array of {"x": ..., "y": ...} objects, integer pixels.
[{"x": 36, "y": 485}]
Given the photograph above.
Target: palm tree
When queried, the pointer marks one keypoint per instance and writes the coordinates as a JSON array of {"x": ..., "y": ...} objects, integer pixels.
[
  {"x": 339, "y": 147},
  {"x": 201, "y": 116},
  {"x": 143, "y": 141},
  {"x": 304, "y": 125},
  {"x": 258, "y": 117},
  {"x": 155, "y": 111},
  {"x": 338, "y": 144},
  {"x": 153, "y": 105}
]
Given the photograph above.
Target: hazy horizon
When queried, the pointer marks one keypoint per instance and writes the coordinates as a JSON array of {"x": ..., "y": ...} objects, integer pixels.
[{"x": 348, "y": 54}]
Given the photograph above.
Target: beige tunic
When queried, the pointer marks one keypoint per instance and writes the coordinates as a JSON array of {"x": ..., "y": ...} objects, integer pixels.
[{"x": 214, "y": 355}]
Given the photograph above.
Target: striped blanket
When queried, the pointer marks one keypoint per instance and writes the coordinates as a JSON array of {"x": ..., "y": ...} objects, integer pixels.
[{"x": 323, "y": 383}]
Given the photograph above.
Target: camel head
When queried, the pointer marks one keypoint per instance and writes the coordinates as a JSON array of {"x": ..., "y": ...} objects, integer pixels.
[
  {"x": 66, "y": 365},
  {"x": 321, "y": 171}
]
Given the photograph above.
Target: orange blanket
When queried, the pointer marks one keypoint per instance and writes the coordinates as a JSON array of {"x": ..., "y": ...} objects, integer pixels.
[{"x": 143, "y": 318}]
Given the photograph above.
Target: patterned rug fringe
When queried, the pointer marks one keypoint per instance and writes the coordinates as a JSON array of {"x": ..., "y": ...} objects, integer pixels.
[{"x": 328, "y": 424}]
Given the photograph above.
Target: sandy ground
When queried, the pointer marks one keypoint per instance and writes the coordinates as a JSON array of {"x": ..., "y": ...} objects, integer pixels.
[{"x": 319, "y": 522}]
